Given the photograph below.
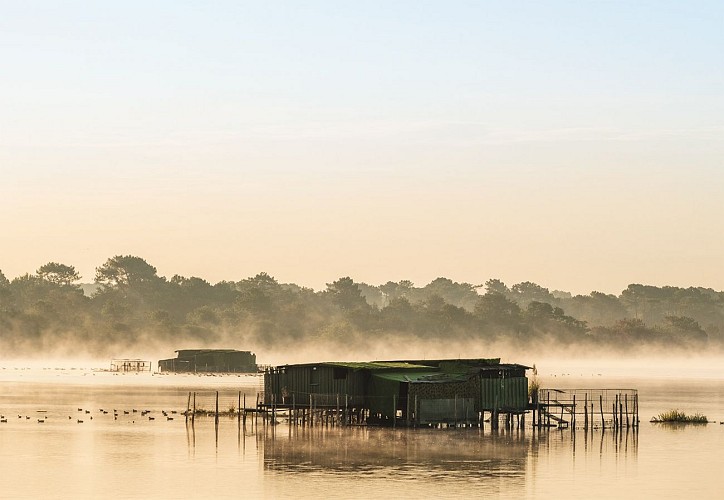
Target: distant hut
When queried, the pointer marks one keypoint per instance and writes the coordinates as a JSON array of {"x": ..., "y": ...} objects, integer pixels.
[
  {"x": 210, "y": 360},
  {"x": 130, "y": 365}
]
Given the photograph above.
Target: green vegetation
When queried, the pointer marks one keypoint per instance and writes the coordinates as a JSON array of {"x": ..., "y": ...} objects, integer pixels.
[
  {"x": 131, "y": 306},
  {"x": 533, "y": 385},
  {"x": 679, "y": 417}
]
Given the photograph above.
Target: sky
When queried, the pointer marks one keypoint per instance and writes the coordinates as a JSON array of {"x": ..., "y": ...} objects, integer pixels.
[{"x": 576, "y": 144}]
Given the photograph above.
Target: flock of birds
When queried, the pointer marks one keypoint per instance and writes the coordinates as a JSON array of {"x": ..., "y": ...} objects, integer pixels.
[{"x": 143, "y": 413}]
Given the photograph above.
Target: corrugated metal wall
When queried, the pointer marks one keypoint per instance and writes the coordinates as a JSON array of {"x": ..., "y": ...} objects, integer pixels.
[
  {"x": 383, "y": 396},
  {"x": 434, "y": 411},
  {"x": 506, "y": 393},
  {"x": 297, "y": 383}
]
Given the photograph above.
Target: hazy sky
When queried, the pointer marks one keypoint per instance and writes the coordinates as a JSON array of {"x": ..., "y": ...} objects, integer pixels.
[{"x": 576, "y": 144}]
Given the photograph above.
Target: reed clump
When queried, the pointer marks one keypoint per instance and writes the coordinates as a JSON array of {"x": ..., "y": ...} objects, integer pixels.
[{"x": 678, "y": 416}]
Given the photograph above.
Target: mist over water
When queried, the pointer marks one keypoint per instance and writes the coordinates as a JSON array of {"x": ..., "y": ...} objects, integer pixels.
[{"x": 134, "y": 457}]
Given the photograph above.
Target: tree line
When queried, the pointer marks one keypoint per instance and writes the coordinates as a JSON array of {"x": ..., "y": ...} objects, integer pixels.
[{"x": 130, "y": 305}]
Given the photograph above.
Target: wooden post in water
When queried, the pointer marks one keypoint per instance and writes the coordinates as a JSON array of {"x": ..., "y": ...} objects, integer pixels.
[
  {"x": 585, "y": 412},
  {"x": 534, "y": 399},
  {"x": 600, "y": 403},
  {"x": 311, "y": 412},
  {"x": 188, "y": 404},
  {"x": 628, "y": 424},
  {"x": 394, "y": 410},
  {"x": 244, "y": 414},
  {"x": 481, "y": 420},
  {"x": 216, "y": 417},
  {"x": 548, "y": 408},
  {"x": 619, "y": 409},
  {"x": 636, "y": 408},
  {"x": 274, "y": 411},
  {"x": 238, "y": 408},
  {"x": 574, "y": 412},
  {"x": 193, "y": 415}
]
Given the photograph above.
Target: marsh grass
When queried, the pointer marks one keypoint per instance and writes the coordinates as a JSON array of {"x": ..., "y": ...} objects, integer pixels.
[{"x": 678, "y": 416}]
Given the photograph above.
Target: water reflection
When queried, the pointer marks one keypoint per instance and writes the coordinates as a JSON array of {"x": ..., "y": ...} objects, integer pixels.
[{"x": 461, "y": 453}]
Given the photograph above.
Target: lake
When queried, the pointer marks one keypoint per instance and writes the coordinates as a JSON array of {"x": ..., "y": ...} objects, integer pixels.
[{"x": 131, "y": 456}]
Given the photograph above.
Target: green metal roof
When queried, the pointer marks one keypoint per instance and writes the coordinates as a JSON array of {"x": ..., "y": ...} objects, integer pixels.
[
  {"x": 376, "y": 365},
  {"x": 437, "y": 362},
  {"x": 421, "y": 376}
]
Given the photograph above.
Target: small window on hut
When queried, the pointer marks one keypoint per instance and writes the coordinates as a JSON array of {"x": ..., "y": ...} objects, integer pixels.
[{"x": 340, "y": 373}]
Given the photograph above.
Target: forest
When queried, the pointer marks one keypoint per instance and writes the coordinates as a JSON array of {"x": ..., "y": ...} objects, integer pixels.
[{"x": 129, "y": 305}]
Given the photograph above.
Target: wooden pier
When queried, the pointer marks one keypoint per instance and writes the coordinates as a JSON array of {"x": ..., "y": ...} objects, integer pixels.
[
  {"x": 573, "y": 409},
  {"x": 586, "y": 408}
]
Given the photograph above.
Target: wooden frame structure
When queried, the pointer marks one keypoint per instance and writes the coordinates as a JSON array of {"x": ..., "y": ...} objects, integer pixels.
[{"x": 130, "y": 365}]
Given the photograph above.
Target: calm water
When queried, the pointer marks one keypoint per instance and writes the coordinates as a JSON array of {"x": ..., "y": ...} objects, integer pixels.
[{"x": 134, "y": 457}]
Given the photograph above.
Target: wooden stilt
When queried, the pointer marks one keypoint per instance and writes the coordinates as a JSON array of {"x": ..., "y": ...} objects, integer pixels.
[
  {"x": 636, "y": 404},
  {"x": 548, "y": 409},
  {"x": 188, "y": 409},
  {"x": 533, "y": 418}
]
